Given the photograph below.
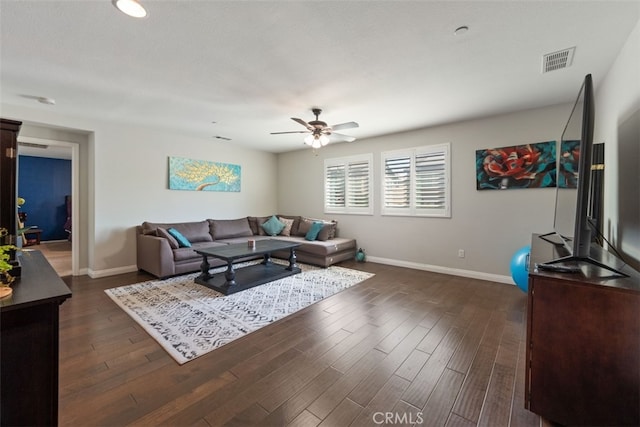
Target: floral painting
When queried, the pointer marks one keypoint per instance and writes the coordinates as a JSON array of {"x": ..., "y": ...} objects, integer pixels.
[
  {"x": 203, "y": 175},
  {"x": 568, "y": 164},
  {"x": 519, "y": 166}
]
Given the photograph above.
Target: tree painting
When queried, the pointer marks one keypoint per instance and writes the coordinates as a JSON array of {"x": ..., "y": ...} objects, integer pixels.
[{"x": 203, "y": 175}]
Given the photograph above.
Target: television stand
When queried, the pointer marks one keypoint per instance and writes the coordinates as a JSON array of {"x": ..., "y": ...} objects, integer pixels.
[
  {"x": 562, "y": 260},
  {"x": 575, "y": 261},
  {"x": 583, "y": 342}
]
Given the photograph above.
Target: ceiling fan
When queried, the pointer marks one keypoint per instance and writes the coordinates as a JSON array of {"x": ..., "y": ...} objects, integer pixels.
[{"x": 320, "y": 134}]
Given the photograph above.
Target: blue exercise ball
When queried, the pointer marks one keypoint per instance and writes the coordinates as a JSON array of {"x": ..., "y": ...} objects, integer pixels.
[{"x": 520, "y": 268}]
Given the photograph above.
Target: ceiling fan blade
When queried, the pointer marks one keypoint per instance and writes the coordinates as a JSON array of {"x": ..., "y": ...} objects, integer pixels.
[
  {"x": 293, "y": 131},
  {"x": 302, "y": 122},
  {"x": 341, "y": 137},
  {"x": 348, "y": 125}
]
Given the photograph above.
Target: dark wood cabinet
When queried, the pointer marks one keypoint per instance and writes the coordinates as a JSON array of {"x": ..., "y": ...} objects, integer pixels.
[
  {"x": 583, "y": 343},
  {"x": 29, "y": 345},
  {"x": 8, "y": 166}
]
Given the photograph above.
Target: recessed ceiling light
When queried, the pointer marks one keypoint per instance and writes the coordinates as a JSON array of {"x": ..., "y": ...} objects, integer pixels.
[
  {"x": 130, "y": 7},
  {"x": 45, "y": 100},
  {"x": 461, "y": 30}
]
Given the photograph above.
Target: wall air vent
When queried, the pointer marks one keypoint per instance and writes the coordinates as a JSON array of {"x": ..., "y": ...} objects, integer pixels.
[{"x": 558, "y": 60}]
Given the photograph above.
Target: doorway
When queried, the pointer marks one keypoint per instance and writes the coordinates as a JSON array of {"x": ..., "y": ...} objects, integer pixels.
[{"x": 58, "y": 244}]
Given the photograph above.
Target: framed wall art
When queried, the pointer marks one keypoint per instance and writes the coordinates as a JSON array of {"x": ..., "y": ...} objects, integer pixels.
[
  {"x": 203, "y": 175},
  {"x": 568, "y": 164},
  {"x": 518, "y": 166}
]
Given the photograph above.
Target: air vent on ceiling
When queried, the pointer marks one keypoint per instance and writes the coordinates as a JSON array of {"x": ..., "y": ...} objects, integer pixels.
[
  {"x": 32, "y": 145},
  {"x": 558, "y": 60}
]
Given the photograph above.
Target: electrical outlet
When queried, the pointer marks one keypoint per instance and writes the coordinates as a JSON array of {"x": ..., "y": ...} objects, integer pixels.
[{"x": 460, "y": 253}]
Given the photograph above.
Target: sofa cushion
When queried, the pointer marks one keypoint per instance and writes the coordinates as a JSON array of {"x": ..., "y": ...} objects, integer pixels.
[
  {"x": 315, "y": 228},
  {"x": 243, "y": 240},
  {"x": 273, "y": 226},
  {"x": 230, "y": 228},
  {"x": 319, "y": 248},
  {"x": 186, "y": 254},
  {"x": 193, "y": 231},
  {"x": 255, "y": 222},
  {"x": 328, "y": 231},
  {"x": 162, "y": 232},
  {"x": 294, "y": 226},
  {"x": 304, "y": 227},
  {"x": 182, "y": 241},
  {"x": 150, "y": 231},
  {"x": 288, "y": 224},
  {"x": 325, "y": 234}
]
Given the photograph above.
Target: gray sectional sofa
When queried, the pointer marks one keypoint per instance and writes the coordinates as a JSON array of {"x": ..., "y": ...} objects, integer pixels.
[{"x": 160, "y": 254}]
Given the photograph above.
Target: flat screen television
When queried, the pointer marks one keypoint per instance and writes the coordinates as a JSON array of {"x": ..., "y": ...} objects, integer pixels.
[{"x": 572, "y": 225}]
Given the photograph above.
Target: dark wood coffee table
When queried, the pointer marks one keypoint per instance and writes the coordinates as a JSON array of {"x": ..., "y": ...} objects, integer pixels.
[{"x": 244, "y": 278}]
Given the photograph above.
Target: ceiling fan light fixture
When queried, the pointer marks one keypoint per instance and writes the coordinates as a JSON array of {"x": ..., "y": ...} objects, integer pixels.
[
  {"x": 319, "y": 134},
  {"x": 132, "y": 8},
  {"x": 316, "y": 140}
]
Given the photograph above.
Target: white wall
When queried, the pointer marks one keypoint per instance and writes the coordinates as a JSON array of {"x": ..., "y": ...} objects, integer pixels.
[
  {"x": 132, "y": 186},
  {"x": 127, "y": 181},
  {"x": 489, "y": 225},
  {"x": 618, "y": 126}
]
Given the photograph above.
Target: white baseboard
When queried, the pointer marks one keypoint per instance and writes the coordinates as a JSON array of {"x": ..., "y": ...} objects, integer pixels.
[
  {"x": 444, "y": 270},
  {"x": 96, "y": 274}
]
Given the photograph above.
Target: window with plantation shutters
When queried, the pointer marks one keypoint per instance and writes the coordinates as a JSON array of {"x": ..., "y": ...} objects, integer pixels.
[
  {"x": 335, "y": 187},
  {"x": 415, "y": 182},
  {"x": 348, "y": 185},
  {"x": 397, "y": 182}
]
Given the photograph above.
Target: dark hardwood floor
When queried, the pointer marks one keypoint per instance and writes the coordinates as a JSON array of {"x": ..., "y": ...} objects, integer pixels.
[{"x": 404, "y": 347}]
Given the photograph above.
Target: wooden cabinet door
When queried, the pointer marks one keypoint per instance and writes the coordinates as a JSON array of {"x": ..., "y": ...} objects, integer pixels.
[{"x": 584, "y": 361}]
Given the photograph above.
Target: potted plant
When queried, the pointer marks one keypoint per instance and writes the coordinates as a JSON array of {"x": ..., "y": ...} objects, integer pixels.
[{"x": 6, "y": 278}]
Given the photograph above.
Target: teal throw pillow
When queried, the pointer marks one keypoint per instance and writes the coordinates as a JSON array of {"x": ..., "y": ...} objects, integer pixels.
[
  {"x": 182, "y": 241},
  {"x": 273, "y": 226},
  {"x": 315, "y": 228}
]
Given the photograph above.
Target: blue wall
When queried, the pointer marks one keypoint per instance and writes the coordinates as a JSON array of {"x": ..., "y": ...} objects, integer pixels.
[{"x": 44, "y": 183}]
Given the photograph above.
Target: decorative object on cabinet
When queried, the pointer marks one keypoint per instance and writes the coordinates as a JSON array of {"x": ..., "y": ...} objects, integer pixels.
[{"x": 6, "y": 279}]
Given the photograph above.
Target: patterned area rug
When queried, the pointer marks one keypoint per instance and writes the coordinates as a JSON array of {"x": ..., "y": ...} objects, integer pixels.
[{"x": 189, "y": 320}]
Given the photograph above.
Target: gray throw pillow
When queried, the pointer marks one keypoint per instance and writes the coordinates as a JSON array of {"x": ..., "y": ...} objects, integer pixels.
[{"x": 161, "y": 232}]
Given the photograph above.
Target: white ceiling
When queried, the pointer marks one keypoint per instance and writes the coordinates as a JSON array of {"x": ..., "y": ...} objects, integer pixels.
[{"x": 249, "y": 66}]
